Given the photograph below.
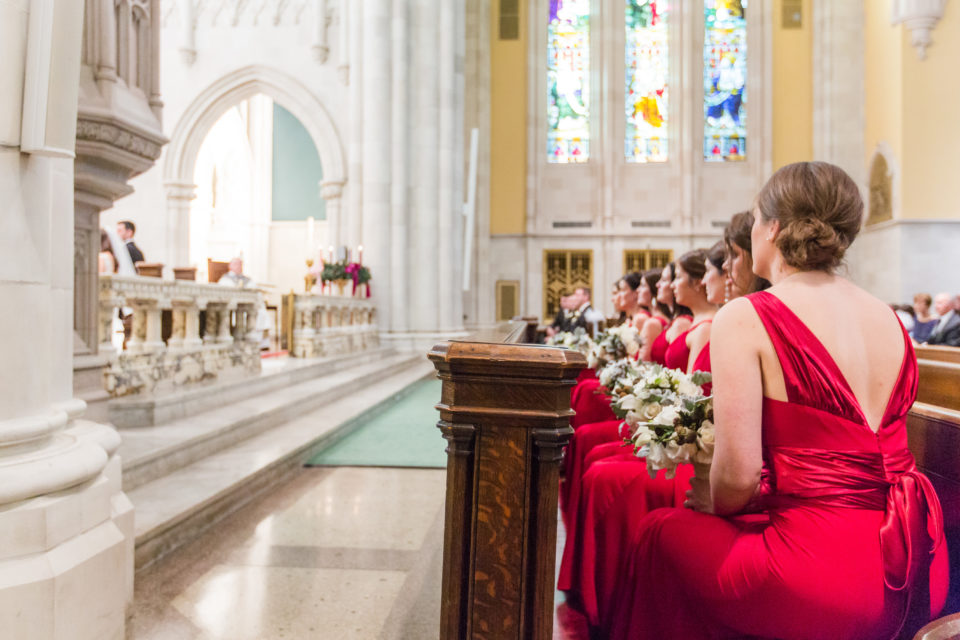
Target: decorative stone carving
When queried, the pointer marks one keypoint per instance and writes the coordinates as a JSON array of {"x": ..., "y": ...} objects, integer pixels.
[
  {"x": 920, "y": 17},
  {"x": 881, "y": 191},
  {"x": 119, "y": 137}
]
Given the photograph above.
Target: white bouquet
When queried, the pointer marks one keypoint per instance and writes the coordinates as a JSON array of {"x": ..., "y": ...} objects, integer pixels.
[
  {"x": 577, "y": 340},
  {"x": 613, "y": 344},
  {"x": 671, "y": 421}
]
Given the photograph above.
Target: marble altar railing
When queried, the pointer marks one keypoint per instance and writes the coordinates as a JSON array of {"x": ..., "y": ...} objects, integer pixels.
[
  {"x": 225, "y": 347},
  {"x": 320, "y": 325}
]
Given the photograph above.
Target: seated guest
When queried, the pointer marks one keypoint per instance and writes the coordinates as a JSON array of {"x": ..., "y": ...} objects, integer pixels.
[
  {"x": 947, "y": 330},
  {"x": 561, "y": 321},
  {"x": 853, "y": 543},
  {"x": 657, "y": 322},
  {"x": 234, "y": 277},
  {"x": 906, "y": 314},
  {"x": 584, "y": 315},
  {"x": 924, "y": 320}
]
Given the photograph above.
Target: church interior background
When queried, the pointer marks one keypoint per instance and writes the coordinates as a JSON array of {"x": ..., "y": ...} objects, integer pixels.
[{"x": 479, "y": 157}]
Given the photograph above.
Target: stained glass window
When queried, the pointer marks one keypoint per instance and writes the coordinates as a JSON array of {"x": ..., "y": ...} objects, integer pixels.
[
  {"x": 646, "y": 81},
  {"x": 568, "y": 81},
  {"x": 725, "y": 80}
]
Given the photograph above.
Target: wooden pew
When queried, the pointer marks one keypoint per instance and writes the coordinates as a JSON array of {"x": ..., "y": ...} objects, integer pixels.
[
  {"x": 933, "y": 433},
  {"x": 938, "y": 352},
  {"x": 504, "y": 410}
]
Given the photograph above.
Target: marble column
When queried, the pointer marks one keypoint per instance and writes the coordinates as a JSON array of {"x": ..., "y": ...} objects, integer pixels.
[
  {"x": 399, "y": 202},
  {"x": 331, "y": 191},
  {"x": 66, "y": 528},
  {"x": 352, "y": 230},
  {"x": 179, "y": 196},
  {"x": 424, "y": 183},
  {"x": 450, "y": 161}
]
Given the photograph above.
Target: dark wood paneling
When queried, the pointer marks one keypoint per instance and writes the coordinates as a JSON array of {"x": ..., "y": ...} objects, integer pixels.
[{"x": 505, "y": 410}]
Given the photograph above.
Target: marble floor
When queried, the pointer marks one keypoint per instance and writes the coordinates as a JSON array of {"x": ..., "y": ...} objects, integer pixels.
[{"x": 338, "y": 552}]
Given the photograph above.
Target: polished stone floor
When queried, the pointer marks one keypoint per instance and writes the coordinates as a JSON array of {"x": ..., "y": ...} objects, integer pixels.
[{"x": 338, "y": 552}]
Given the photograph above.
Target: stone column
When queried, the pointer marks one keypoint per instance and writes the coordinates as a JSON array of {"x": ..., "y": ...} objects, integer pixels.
[
  {"x": 66, "y": 528},
  {"x": 450, "y": 213},
  {"x": 377, "y": 53},
  {"x": 352, "y": 230},
  {"x": 424, "y": 237},
  {"x": 332, "y": 193},
  {"x": 399, "y": 204},
  {"x": 179, "y": 196}
]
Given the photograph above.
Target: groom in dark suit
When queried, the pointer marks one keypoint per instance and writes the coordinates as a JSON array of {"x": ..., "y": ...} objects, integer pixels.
[{"x": 126, "y": 230}]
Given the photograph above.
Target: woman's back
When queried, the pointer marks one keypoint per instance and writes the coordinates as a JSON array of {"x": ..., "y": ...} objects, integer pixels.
[{"x": 859, "y": 332}]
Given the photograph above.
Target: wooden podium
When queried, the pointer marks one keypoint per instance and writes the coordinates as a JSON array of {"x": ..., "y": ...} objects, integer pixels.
[{"x": 505, "y": 411}]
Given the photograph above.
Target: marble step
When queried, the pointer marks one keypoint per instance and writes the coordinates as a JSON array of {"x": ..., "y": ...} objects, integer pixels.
[
  {"x": 176, "y": 508},
  {"x": 148, "y": 453},
  {"x": 276, "y": 373}
]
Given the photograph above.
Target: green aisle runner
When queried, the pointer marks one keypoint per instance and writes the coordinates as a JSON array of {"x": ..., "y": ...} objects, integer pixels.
[{"x": 404, "y": 434}]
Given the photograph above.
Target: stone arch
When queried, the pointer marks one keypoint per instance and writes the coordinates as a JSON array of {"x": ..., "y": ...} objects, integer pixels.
[
  {"x": 212, "y": 102},
  {"x": 882, "y": 186},
  {"x": 209, "y": 105}
]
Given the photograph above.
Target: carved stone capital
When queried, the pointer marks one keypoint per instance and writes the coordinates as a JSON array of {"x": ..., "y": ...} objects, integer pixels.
[{"x": 331, "y": 190}]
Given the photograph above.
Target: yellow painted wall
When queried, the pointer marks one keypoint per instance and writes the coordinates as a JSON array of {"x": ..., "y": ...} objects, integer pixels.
[
  {"x": 508, "y": 126},
  {"x": 883, "y": 81},
  {"x": 792, "y": 88},
  {"x": 931, "y": 136}
]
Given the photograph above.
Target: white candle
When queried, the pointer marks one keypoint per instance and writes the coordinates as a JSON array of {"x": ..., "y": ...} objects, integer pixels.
[
  {"x": 360, "y": 254},
  {"x": 330, "y": 249}
]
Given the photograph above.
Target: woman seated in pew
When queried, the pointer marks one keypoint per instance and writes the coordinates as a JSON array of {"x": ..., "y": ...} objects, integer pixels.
[
  {"x": 659, "y": 321},
  {"x": 593, "y": 408},
  {"x": 849, "y": 543},
  {"x": 593, "y": 539}
]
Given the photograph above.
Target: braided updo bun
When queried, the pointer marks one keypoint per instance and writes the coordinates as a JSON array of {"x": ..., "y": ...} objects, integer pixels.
[{"x": 819, "y": 209}]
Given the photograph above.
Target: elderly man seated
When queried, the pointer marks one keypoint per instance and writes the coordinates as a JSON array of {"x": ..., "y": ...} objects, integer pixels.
[{"x": 234, "y": 277}]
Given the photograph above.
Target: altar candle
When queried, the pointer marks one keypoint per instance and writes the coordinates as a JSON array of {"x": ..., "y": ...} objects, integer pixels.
[
  {"x": 360, "y": 254},
  {"x": 330, "y": 249}
]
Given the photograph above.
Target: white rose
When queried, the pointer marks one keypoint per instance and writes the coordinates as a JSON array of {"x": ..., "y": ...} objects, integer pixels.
[
  {"x": 686, "y": 387},
  {"x": 656, "y": 459},
  {"x": 628, "y": 403},
  {"x": 667, "y": 416},
  {"x": 643, "y": 437},
  {"x": 651, "y": 410},
  {"x": 632, "y": 419},
  {"x": 705, "y": 443}
]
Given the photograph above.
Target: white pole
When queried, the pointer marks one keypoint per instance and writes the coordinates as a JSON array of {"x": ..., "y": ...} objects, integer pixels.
[{"x": 470, "y": 208}]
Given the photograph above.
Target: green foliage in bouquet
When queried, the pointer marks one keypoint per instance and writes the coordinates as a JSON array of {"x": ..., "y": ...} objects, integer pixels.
[{"x": 334, "y": 271}]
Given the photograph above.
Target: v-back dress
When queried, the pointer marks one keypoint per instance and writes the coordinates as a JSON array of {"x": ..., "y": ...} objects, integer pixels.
[{"x": 853, "y": 546}]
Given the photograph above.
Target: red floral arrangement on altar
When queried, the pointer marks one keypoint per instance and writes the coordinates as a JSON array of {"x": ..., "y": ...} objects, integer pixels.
[{"x": 359, "y": 274}]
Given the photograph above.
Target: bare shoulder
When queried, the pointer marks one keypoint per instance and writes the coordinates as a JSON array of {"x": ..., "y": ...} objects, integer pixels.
[
  {"x": 650, "y": 323},
  {"x": 738, "y": 325}
]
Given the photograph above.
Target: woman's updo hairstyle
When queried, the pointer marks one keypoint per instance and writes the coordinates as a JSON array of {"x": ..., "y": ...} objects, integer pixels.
[
  {"x": 652, "y": 277},
  {"x": 819, "y": 209},
  {"x": 693, "y": 262}
]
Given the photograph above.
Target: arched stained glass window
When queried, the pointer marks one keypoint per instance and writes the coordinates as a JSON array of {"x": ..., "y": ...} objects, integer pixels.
[
  {"x": 646, "y": 95},
  {"x": 568, "y": 81},
  {"x": 725, "y": 80}
]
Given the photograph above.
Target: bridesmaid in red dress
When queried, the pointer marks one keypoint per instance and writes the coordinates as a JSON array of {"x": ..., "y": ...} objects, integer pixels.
[
  {"x": 852, "y": 545},
  {"x": 612, "y": 470},
  {"x": 585, "y": 399},
  {"x": 606, "y": 428}
]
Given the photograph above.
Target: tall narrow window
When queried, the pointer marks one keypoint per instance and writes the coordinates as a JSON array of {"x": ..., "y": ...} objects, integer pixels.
[
  {"x": 568, "y": 81},
  {"x": 725, "y": 80},
  {"x": 646, "y": 81}
]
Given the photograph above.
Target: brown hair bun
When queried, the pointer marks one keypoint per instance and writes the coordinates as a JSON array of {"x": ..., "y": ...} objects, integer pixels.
[{"x": 819, "y": 209}]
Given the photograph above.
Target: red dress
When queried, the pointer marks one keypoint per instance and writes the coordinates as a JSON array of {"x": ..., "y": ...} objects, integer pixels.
[
  {"x": 592, "y": 432},
  {"x": 616, "y": 493},
  {"x": 853, "y": 547}
]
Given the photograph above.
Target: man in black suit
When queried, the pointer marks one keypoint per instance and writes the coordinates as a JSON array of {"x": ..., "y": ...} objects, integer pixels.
[
  {"x": 576, "y": 312},
  {"x": 947, "y": 331},
  {"x": 126, "y": 230}
]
